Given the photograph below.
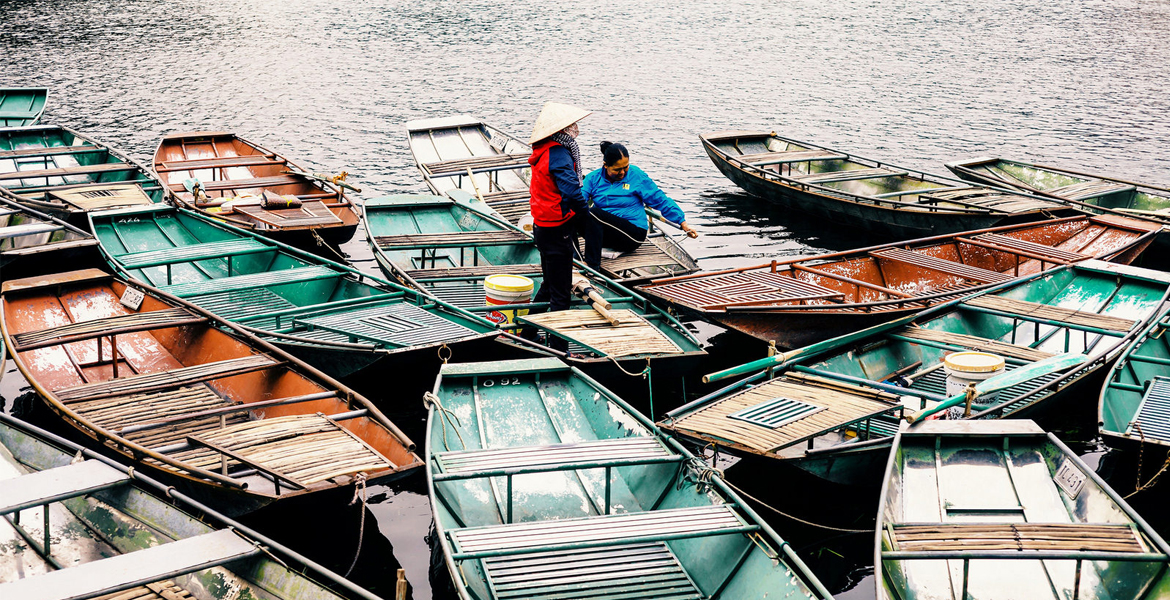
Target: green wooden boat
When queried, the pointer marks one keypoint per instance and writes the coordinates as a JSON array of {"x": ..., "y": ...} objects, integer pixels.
[
  {"x": 463, "y": 156},
  {"x": 832, "y": 408},
  {"x": 447, "y": 246},
  {"x": 32, "y": 241},
  {"x": 21, "y": 107},
  {"x": 544, "y": 484},
  {"x": 334, "y": 317},
  {"x": 79, "y": 525},
  {"x": 883, "y": 199},
  {"x": 61, "y": 172},
  {"x": 1095, "y": 193},
  {"x": 1001, "y": 510},
  {"x": 1134, "y": 407}
]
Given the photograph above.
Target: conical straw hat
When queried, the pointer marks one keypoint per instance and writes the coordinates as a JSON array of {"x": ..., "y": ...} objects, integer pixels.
[{"x": 555, "y": 117}]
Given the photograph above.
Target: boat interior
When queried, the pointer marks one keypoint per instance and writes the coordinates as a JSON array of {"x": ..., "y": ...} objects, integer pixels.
[
  {"x": 253, "y": 282},
  {"x": 954, "y": 495},
  {"x": 165, "y": 378},
  {"x": 1136, "y": 400},
  {"x": 544, "y": 483},
  {"x": 1106, "y": 193},
  {"x": 24, "y": 231},
  {"x": 21, "y": 107}
]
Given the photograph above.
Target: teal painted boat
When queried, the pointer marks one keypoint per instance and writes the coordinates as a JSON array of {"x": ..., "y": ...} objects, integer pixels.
[
  {"x": 20, "y": 107},
  {"x": 112, "y": 535},
  {"x": 463, "y": 155},
  {"x": 32, "y": 241},
  {"x": 61, "y": 172},
  {"x": 544, "y": 484},
  {"x": 832, "y": 408},
  {"x": 859, "y": 192},
  {"x": 1095, "y": 193},
  {"x": 1001, "y": 510},
  {"x": 1134, "y": 406},
  {"x": 333, "y": 316},
  {"x": 448, "y": 246}
]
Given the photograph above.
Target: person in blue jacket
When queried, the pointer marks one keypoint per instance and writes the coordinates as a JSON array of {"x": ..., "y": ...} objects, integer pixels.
[{"x": 618, "y": 194}]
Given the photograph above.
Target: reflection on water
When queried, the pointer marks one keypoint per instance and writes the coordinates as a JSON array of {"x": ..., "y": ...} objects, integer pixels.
[{"x": 331, "y": 85}]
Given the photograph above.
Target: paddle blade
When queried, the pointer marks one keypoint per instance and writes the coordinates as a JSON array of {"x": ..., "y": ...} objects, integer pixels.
[{"x": 1039, "y": 368}]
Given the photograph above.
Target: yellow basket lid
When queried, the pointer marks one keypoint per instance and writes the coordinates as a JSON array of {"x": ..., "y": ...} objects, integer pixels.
[
  {"x": 508, "y": 283},
  {"x": 973, "y": 362}
]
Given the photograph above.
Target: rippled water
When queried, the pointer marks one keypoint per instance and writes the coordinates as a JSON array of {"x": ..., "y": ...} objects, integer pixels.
[{"x": 331, "y": 84}]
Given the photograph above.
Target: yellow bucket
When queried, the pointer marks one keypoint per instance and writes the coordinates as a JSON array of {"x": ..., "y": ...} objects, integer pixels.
[{"x": 504, "y": 289}]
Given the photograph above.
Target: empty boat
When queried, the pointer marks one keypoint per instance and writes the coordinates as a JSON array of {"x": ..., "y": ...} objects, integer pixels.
[{"x": 21, "y": 107}]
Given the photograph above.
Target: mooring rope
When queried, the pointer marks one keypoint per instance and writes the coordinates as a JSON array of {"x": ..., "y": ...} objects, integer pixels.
[
  {"x": 359, "y": 493},
  {"x": 1139, "y": 486},
  {"x": 431, "y": 400}
]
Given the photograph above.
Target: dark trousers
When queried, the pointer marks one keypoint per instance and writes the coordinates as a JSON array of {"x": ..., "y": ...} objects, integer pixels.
[
  {"x": 614, "y": 232},
  {"x": 557, "y": 246}
]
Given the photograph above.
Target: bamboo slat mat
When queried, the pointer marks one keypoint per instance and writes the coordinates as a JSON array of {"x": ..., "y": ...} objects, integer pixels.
[
  {"x": 974, "y": 342},
  {"x": 152, "y": 319},
  {"x": 303, "y": 448},
  {"x": 632, "y": 335},
  {"x": 1018, "y": 536},
  {"x": 840, "y": 407},
  {"x": 1052, "y": 313},
  {"x": 311, "y": 212},
  {"x": 171, "y": 379},
  {"x": 96, "y": 197},
  {"x": 162, "y": 590}
]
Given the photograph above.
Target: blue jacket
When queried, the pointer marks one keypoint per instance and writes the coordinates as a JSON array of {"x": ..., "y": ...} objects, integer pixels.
[{"x": 627, "y": 197}]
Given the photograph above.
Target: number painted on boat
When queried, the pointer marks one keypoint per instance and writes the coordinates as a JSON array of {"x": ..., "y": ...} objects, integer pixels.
[
  {"x": 503, "y": 381},
  {"x": 1070, "y": 478},
  {"x": 132, "y": 298}
]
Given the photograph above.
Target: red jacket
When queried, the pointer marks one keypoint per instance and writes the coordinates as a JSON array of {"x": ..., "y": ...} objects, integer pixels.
[{"x": 556, "y": 189}]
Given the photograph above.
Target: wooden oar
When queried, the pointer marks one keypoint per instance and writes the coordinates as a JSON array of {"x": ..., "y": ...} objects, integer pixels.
[
  {"x": 338, "y": 180},
  {"x": 583, "y": 288}
]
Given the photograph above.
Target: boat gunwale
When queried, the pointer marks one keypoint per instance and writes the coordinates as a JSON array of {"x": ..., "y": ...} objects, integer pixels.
[
  {"x": 1162, "y": 320},
  {"x": 43, "y": 92}
]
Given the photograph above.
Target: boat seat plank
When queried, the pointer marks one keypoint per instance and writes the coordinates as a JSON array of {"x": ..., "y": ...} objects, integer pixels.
[
  {"x": 166, "y": 379},
  {"x": 794, "y": 156},
  {"x": 613, "y": 527},
  {"x": 855, "y": 174},
  {"x": 840, "y": 407},
  {"x": 473, "y": 272},
  {"x": 111, "y": 167},
  {"x": 1083, "y": 537},
  {"x": 601, "y": 573},
  {"x": 1012, "y": 243},
  {"x": 102, "y": 195},
  {"x": 988, "y": 199},
  {"x": 254, "y": 160},
  {"x": 243, "y": 184},
  {"x": 51, "y": 485},
  {"x": 1152, "y": 418},
  {"x": 394, "y": 324},
  {"x": 133, "y": 569},
  {"x": 1090, "y": 189},
  {"x": 974, "y": 343},
  {"x": 648, "y": 260},
  {"x": 238, "y": 304},
  {"x": 620, "y": 449},
  {"x": 51, "y": 151},
  {"x": 107, "y": 326},
  {"x": 454, "y": 239},
  {"x": 14, "y": 231},
  {"x": 944, "y": 266},
  {"x": 192, "y": 253},
  {"x": 117, "y": 412},
  {"x": 757, "y": 287},
  {"x": 311, "y": 213},
  {"x": 632, "y": 335},
  {"x": 251, "y": 280},
  {"x": 477, "y": 164},
  {"x": 303, "y": 449},
  {"x": 1052, "y": 313},
  {"x": 57, "y": 189}
]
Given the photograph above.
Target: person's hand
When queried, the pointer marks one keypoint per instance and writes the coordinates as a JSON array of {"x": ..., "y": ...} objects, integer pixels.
[{"x": 690, "y": 231}]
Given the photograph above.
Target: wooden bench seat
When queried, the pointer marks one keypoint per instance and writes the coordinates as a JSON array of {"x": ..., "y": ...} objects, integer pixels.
[
  {"x": 943, "y": 266},
  {"x": 243, "y": 184},
  {"x": 1052, "y": 313},
  {"x": 473, "y": 272},
  {"x": 394, "y": 324},
  {"x": 1085, "y": 537},
  {"x": 1052, "y": 254},
  {"x": 60, "y": 483},
  {"x": 744, "y": 289},
  {"x": 477, "y": 164},
  {"x": 104, "y": 327},
  {"x": 166, "y": 379},
  {"x": 134, "y": 568},
  {"x": 503, "y": 196},
  {"x": 312, "y": 213},
  {"x": 239, "y": 304},
  {"x": 793, "y": 156},
  {"x": 112, "y": 167},
  {"x": 255, "y": 160},
  {"x": 631, "y": 450},
  {"x": 835, "y": 176},
  {"x": 988, "y": 199},
  {"x": 1091, "y": 189},
  {"x": 455, "y": 239},
  {"x": 973, "y": 342},
  {"x": 251, "y": 280},
  {"x": 14, "y": 231},
  {"x": 192, "y": 253},
  {"x": 1151, "y": 415},
  {"x": 51, "y": 151}
]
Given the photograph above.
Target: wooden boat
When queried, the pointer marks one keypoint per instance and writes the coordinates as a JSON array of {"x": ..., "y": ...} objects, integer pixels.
[
  {"x": 1094, "y": 193},
  {"x": 832, "y": 408},
  {"x": 1002, "y": 509},
  {"x": 113, "y": 536},
  {"x": 1134, "y": 405},
  {"x": 802, "y": 300},
  {"x": 544, "y": 484},
  {"x": 463, "y": 154},
  {"x": 61, "y": 172},
  {"x": 447, "y": 247},
  {"x": 225, "y": 414},
  {"x": 883, "y": 199},
  {"x": 234, "y": 176},
  {"x": 333, "y": 316},
  {"x": 31, "y": 240},
  {"x": 21, "y": 107}
]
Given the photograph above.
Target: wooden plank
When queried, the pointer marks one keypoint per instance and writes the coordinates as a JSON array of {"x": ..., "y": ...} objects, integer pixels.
[
  {"x": 14, "y": 231},
  {"x": 107, "y": 326},
  {"x": 974, "y": 343},
  {"x": 1052, "y": 313},
  {"x": 452, "y": 239},
  {"x": 50, "y": 151},
  {"x": 473, "y": 272},
  {"x": 943, "y": 266},
  {"x": 792, "y": 156},
  {"x": 254, "y": 160},
  {"x": 852, "y": 175},
  {"x": 98, "y": 169},
  {"x": 633, "y": 334},
  {"x": 244, "y": 184},
  {"x": 192, "y": 253},
  {"x": 52, "y": 485},
  {"x": 312, "y": 213},
  {"x": 167, "y": 379}
]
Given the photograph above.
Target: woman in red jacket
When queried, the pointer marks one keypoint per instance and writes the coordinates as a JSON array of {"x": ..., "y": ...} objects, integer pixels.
[{"x": 559, "y": 210}]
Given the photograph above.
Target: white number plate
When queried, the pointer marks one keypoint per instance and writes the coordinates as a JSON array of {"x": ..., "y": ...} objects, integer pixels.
[
  {"x": 132, "y": 298},
  {"x": 1070, "y": 478}
]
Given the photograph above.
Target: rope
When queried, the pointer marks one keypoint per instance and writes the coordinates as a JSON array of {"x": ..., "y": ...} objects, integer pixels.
[
  {"x": 430, "y": 400},
  {"x": 643, "y": 373},
  {"x": 321, "y": 242},
  {"x": 359, "y": 492},
  {"x": 1139, "y": 486}
]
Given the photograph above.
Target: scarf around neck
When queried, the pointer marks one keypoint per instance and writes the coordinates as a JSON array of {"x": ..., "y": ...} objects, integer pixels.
[{"x": 565, "y": 140}]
